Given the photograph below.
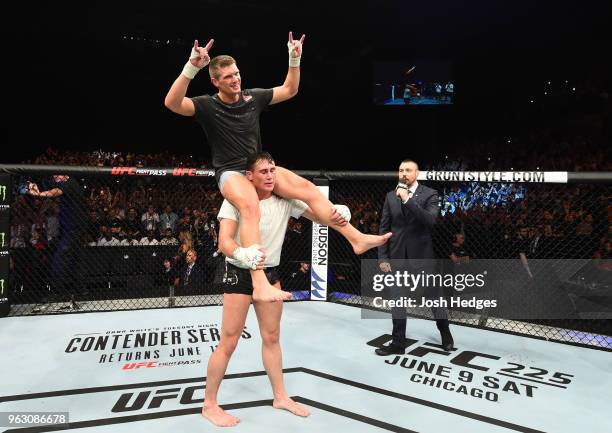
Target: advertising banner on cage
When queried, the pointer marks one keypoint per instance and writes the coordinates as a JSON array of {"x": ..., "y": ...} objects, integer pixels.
[
  {"x": 320, "y": 256},
  {"x": 495, "y": 176},
  {"x": 5, "y": 231},
  {"x": 176, "y": 172}
]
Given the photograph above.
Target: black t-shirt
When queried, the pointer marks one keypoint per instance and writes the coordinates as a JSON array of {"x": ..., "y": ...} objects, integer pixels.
[
  {"x": 132, "y": 226},
  {"x": 73, "y": 214},
  {"x": 521, "y": 245},
  {"x": 300, "y": 280},
  {"x": 460, "y": 250},
  {"x": 232, "y": 129},
  {"x": 169, "y": 276}
]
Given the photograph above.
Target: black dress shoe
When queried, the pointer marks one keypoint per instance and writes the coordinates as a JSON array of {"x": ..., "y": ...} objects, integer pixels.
[
  {"x": 447, "y": 339},
  {"x": 390, "y": 350}
]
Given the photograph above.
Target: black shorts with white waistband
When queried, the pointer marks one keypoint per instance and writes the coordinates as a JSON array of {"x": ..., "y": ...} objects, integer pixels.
[{"x": 238, "y": 280}]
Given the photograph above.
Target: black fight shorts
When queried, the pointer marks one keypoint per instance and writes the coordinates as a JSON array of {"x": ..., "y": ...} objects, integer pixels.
[{"x": 238, "y": 280}]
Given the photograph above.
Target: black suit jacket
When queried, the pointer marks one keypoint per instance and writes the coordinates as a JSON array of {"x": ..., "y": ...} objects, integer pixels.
[
  {"x": 411, "y": 223},
  {"x": 196, "y": 277}
]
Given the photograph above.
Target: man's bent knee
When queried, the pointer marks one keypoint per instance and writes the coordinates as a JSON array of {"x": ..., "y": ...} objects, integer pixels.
[{"x": 249, "y": 208}]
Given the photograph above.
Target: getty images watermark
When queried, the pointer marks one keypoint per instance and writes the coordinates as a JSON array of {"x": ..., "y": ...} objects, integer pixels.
[
  {"x": 399, "y": 282},
  {"x": 515, "y": 289}
]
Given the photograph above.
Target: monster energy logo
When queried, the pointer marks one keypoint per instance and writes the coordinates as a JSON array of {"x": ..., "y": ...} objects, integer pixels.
[
  {"x": 3, "y": 192},
  {"x": 2, "y": 286},
  {"x": 2, "y": 236}
]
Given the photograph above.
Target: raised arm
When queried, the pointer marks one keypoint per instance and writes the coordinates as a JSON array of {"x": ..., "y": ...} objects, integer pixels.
[
  {"x": 290, "y": 87},
  {"x": 175, "y": 99},
  {"x": 51, "y": 193}
]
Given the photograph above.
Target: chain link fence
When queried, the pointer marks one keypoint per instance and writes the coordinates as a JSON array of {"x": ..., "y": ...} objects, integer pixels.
[
  {"x": 117, "y": 238},
  {"x": 562, "y": 233}
]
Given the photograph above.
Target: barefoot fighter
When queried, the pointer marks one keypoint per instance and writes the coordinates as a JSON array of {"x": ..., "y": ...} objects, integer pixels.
[{"x": 238, "y": 285}]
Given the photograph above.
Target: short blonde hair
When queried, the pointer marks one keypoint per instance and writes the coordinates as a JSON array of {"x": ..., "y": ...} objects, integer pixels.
[{"x": 217, "y": 63}]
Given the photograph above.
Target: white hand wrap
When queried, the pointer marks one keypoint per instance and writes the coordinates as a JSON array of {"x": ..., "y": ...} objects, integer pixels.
[
  {"x": 248, "y": 257},
  {"x": 189, "y": 70},
  {"x": 294, "y": 59},
  {"x": 344, "y": 212}
]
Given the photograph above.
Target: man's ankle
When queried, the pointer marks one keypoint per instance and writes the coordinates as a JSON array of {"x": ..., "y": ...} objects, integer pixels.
[
  {"x": 210, "y": 404},
  {"x": 281, "y": 396}
]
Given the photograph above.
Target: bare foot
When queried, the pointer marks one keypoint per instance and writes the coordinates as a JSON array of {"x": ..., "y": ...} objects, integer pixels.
[
  {"x": 219, "y": 417},
  {"x": 268, "y": 293},
  {"x": 291, "y": 406},
  {"x": 366, "y": 242}
]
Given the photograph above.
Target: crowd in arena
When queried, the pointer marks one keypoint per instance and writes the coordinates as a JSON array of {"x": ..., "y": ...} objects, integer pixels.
[
  {"x": 141, "y": 213},
  {"x": 476, "y": 220}
]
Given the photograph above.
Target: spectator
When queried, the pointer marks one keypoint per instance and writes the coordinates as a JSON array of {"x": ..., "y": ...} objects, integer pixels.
[
  {"x": 18, "y": 237},
  {"x": 185, "y": 225},
  {"x": 191, "y": 276},
  {"x": 37, "y": 241},
  {"x": 300, "y": 279},
  {"x": 40, "y": 227},
  {"x": 123, "y": 239},
  {"x": 168, "y": 219},
  {"x": 199, "y": 227},
  {"x": 459, "y": 254},
  {"x": 150, "y": 219},
  {"x": 131, "y": 224},
  {"x": 149, "y": 239},
  {"x": 107, "y": 239},
  {"x": 94, "y": 223},
  {"x": 132, "y": 239},
  {"x": 169, "y": 239},
  {"x": 169, "y": 274}
]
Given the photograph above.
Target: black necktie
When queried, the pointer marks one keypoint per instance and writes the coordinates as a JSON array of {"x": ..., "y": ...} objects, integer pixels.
[{"x": 187, "y": 272}]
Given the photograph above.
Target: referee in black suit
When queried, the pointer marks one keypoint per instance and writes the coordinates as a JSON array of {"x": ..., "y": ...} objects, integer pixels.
[{"x": 410, "y": 212}]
